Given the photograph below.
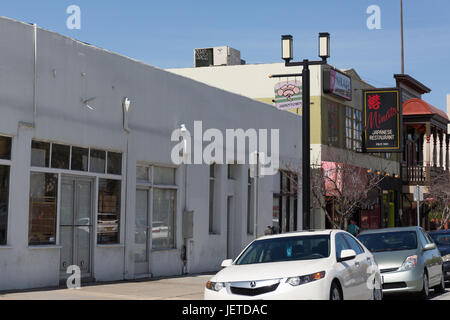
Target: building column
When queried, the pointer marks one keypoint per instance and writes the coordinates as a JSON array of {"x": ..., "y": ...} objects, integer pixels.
[
  {"x": 441, "y": 146},
  {"x": 434, "y": 153},
  {"x": 427, "y": 160},
  {"x": 447, "y": 155}
]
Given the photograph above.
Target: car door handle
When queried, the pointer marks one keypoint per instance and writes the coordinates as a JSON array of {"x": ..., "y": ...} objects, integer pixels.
[{"x": 357, "y": 263}]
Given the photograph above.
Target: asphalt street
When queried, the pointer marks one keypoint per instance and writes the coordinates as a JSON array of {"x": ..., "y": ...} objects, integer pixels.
[{"x": 177, "y": 288}]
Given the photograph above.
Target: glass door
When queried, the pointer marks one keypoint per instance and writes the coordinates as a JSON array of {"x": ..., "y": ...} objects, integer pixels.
[
  {"x": 76, "y": 225},
  {"x": 142, "y": 239}
]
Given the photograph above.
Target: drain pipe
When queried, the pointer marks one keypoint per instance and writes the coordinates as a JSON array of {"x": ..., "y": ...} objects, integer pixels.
[
  {"x": 186, "y": 247},
  {"x": 34, "y": 73},
  {"x": 126, "y": 104},
  {"x": 186, "y": 241}
]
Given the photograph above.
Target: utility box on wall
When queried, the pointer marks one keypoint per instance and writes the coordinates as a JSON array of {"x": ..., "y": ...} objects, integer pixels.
[{"x": 188, "y": 224}]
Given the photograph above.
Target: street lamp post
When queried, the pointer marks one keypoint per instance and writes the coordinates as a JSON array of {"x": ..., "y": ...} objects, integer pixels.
[{"x": 287, "y": 56}]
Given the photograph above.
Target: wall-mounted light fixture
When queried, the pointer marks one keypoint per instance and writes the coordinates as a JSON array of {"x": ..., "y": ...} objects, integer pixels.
[
  {"x": 126, "y": 104},
  {"x": 85, "y": 102}
]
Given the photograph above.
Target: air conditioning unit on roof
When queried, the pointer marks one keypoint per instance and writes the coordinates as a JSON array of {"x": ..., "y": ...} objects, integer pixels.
[{"x": 217, "y": 56}]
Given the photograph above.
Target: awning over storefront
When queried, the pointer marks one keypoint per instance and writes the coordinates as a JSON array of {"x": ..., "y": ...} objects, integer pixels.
[{"x": 417, "y": 106}]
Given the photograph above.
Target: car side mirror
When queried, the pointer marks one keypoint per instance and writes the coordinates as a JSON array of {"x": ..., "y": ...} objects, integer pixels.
[
  {"x": 347, "y": 255},
  {"x": 429, "y": 246},
  {"x": 227, "y": 263}
]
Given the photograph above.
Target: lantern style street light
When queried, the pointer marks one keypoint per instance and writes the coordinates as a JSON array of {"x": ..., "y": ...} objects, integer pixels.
[{"x": 287, "y": 53}]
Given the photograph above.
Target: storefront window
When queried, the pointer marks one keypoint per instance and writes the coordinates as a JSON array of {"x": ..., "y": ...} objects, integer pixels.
[
  {"x": 333, "y": 124},
  {"x": 160, "y": 189},
  {"x": 40, "y": 154},
  {"x": 60, "y": 156},
  {"x": 288, "y": 201},
  {"x": 164, "y": 204},
  {"x": 5, "y": 148},
  {"x": 4, "y": 195},
  {"x": 357, "y": 129},
  {"x": 164, "y": 176},
  {"x": 108, "y": 224},
  {"x": 114, "y": 163},
  {"x": 348, "y": 128},
  {"x": 98, "y": 161},
  {"x": 142, "y": 174},
  {"x": 43, "y": 200},
  {"x": 80, "y": 159}
]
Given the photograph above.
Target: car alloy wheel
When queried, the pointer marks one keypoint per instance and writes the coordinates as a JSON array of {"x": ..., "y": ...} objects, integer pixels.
[
  {"x": 426, "y": 289},
  {"x": 335, "y": 293},
  {"x": 377, "y": 294}
]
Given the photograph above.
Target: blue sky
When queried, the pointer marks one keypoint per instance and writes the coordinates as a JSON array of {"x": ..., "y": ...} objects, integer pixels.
[{"x": 164, "y": 33}]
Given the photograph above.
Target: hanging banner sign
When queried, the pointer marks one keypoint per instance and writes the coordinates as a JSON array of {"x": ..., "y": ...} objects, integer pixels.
[
  {"x": 382, "y": 118},
  {"x": 288, "y": 95},
  {"x": 337, "y": 83}
]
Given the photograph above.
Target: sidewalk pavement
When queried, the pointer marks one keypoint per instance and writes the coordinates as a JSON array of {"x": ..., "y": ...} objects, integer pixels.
[{"x": 177, "y": 288}]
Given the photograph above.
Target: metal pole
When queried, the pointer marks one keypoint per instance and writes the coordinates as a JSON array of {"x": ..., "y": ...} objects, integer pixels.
[
  {"x": 306, "y": 157},
  {"x": 418, "y": 205},
  {"x": 403, "y": 47},
  {"x": 255, "y": 198},
  {"x": 418, "y": 213}
]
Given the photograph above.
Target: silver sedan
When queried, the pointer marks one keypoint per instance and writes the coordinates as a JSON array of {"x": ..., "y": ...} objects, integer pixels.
[{"x": 408, "y": 259}]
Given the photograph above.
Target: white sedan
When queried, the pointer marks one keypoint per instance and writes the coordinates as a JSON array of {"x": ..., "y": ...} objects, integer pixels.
[{"x": 315, "y": 265}]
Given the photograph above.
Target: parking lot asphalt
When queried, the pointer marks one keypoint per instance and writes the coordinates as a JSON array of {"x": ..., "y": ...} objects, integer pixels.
[{"x": 176, "y": 288}]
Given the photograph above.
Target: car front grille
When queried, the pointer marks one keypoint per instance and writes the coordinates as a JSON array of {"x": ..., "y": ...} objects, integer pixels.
[
  {"x": 394, "y": 285},
  {"x": 388, "y": 270},
  {"x": 255, "y": 291}
]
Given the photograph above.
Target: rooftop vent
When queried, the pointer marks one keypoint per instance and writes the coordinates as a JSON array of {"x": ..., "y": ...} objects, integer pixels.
[{"x": 217, "y": 56}]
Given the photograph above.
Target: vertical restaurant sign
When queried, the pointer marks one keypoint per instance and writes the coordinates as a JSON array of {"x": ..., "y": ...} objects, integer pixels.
[
  {"x": 288, "y": 95},
  {"x": 382, "y": 118},
  {"x": 337, "y": 83}
]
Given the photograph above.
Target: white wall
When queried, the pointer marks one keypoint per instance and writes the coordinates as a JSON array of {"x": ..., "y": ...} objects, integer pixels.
[
  {"x": 251, "y": 80},
  {"x": 68, "y": 71}
]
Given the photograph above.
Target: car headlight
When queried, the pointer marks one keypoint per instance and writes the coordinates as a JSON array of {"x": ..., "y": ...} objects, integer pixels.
[
  {"x": 215, "y": 286},
  {"x": 409, "y": 263},
  {"x": 446, "y": 258},
  {"x": 296, "y": 281}
]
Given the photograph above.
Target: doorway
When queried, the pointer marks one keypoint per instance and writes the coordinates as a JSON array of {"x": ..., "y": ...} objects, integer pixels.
[
  {"x": 142, "y": 234},
  {"x": 230, "y": 210},
  {"x": 76, "y": 226}
]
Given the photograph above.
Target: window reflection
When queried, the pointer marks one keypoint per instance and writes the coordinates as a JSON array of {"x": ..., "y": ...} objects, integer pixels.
[
  {"x": 164, "y": 202},
  {"x": 108, "y": 211},
  {"x": 98, "y": 160},
  {"x": 60, "y": 156},
  {"x": 80, "y": 157},
  {"x": 40, "y": 154},
  {"x": 4, "y": 194},
  {"x": 43, "y": 196},
  {"x": 5, "y": 148},
  {"x": 114, "y": 163}
]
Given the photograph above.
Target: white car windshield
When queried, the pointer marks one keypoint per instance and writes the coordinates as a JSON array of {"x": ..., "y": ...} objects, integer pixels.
[{"x": 286, "y": 249}]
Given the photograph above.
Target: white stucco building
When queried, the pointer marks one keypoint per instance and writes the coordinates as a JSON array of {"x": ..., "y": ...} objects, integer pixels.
[{"x": 86, "y": 182}]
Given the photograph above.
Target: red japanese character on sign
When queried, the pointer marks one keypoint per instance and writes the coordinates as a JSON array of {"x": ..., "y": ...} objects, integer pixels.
[{"x": 374, "y": 102}]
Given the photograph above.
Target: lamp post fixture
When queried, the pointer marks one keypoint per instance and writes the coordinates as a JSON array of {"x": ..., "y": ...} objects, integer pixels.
[{"x": 287, "y": 55}]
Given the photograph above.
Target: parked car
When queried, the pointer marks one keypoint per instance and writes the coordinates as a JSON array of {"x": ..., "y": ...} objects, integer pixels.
[
  {"x": 408, "y": 259},
  {"x": 316, "y": 265},
  {"x": 442, "y": 239}
]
